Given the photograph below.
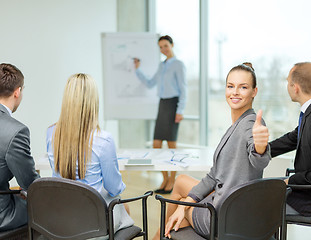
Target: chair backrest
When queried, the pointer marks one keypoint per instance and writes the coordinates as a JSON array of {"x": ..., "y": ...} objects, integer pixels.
[
  {"x": 66, "y": 209},
  {"x": 252, "y": 211}
]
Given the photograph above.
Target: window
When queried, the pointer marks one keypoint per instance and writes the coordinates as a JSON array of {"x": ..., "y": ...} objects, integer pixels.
[{"x": 273, "y": 35}]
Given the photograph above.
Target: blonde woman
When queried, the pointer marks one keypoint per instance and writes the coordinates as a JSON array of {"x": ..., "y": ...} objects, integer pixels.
[{"x": 79, "y": 150}]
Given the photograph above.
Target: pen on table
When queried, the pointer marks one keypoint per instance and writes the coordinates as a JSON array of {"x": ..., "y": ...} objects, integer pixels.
[
  {"x": 172, "y": 162},
  {"x": 172, "y": 158},
  {"x": 183, "y": 156},
  {"x": 179, "y": 160}
]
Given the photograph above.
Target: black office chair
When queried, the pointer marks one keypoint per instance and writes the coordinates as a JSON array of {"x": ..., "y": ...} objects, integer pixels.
[
  {"x": 67, "y": 209},
  {"x": 254, "y": 210},
  {"x": 19, "y": 233},
  {"x": 296, "y": 219}
]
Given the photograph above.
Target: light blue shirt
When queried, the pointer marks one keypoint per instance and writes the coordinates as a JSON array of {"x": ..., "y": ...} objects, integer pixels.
[
  {"x": 171, "y": 81},
  {"x": 102, "y": 170}
]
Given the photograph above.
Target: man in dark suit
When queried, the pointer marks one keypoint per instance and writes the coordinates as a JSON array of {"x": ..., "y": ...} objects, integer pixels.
[
  {"x": 15, "y": 158},
  {"x": 299, "y": 89}
]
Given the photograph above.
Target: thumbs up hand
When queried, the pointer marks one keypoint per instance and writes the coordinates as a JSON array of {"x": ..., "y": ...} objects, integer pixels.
[{"x": 260, "y": 134}]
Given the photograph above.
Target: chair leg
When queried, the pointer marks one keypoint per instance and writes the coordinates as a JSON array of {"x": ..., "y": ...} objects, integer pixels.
[
  {"x": 145, "y": 223},
  {"x": 110, "y": 224},
  {"x": 30, "y": 233},
  {"x": 277, "y": 234},
  {"x": 162, "y": 223},
  {"x": 284, "y": 231}
]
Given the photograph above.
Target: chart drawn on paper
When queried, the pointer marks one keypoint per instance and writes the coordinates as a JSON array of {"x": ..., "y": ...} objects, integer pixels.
[
  {"x": 126, "y": 82},
  {"x": 125, "y": 96}
]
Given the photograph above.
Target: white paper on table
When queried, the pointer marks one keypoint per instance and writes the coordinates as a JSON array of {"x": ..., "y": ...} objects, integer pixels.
[{"x": 177, "y": 163}]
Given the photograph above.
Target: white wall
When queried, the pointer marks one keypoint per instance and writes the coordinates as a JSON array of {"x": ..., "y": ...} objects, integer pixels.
[{"x": 48, "y": 40}]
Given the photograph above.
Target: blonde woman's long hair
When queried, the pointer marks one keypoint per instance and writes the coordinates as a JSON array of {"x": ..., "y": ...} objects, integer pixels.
[{"x": 78, "y": 121}]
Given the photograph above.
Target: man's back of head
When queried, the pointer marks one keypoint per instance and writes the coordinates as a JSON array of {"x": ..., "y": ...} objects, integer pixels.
[
  {"x": 301, "y": 75},
  {"x": 11, "y": 85}
]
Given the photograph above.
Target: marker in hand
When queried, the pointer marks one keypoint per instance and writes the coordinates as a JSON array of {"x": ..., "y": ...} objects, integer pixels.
[
  {"x": 136, "y": 62},
  {"x": 260, "y": 134}
]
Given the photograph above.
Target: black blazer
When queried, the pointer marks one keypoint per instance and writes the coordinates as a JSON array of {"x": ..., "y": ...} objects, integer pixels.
[{"x": 299, "y": 200}]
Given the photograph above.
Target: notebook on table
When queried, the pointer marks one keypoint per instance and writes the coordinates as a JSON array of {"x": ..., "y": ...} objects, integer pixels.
[{"x": 139, "y": 161}]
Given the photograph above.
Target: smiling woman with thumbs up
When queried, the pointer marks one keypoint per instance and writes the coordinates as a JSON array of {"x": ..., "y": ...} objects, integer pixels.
[
  {"x": 240, "y": 92},
  {"x": 241, "y": 156}
]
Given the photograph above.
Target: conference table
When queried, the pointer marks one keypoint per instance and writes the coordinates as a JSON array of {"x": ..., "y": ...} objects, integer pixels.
[
  {"x": 166, "y": 159},
  {"x": 181, "y": 159},
  {"x": 186, "y": 159}
]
